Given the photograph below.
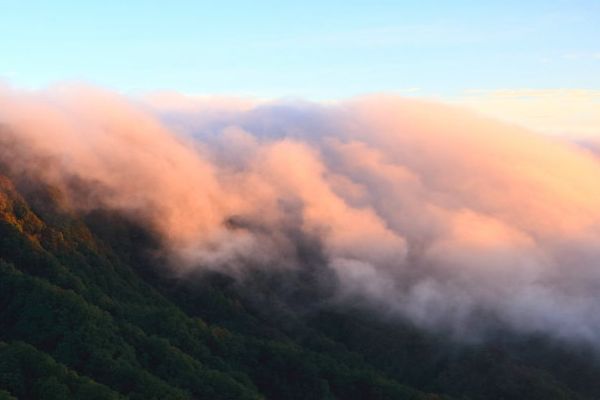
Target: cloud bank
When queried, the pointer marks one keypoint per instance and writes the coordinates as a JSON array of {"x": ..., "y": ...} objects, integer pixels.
[
  {"x": 572, "y": 113},
  {"x": 421, "y": 210}
]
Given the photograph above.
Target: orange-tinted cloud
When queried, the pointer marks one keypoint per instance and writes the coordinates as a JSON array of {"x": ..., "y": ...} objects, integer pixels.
[
  {"x": 572, "y": 113},
  {"x": 425, "y": 210}
]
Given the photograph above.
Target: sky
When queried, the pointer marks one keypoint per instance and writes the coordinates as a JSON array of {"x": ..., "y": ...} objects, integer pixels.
[{"x": 311, "y": 49}]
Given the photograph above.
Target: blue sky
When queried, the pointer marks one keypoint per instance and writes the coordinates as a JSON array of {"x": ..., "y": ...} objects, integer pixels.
[{"x": 312, "y": 49}]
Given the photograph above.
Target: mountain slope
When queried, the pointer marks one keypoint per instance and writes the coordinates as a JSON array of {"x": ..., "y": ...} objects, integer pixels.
[{"x": 88, "y": 311}]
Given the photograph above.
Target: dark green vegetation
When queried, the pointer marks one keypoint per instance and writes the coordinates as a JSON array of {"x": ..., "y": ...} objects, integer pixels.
[{"x": 86, "y": 313}]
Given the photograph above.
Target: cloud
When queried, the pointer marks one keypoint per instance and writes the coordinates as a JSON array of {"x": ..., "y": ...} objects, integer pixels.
[
  {"x": 420, "y": 210},
  {"x": 572, "y": 113}
]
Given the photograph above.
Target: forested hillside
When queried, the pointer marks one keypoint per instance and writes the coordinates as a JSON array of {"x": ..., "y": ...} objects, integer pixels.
[{"x": 88, "y": 310}]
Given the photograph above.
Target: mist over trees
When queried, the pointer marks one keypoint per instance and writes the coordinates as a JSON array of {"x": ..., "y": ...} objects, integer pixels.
[
  {"x": 88, "y": 311},
  {"x": 292, "y": 251}
]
